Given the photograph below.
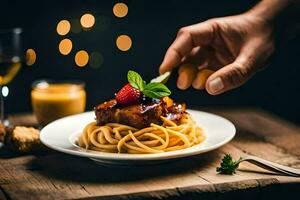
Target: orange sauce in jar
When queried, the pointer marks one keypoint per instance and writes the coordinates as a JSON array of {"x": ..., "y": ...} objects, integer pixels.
[{"x": 53, "y": 100}]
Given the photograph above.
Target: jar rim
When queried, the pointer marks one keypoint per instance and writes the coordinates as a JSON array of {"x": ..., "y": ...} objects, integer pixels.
[{"x": 43, "y": 84}]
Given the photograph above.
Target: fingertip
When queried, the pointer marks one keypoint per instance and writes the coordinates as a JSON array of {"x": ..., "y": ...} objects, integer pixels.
[
  {"x": 196, "y": 85},
  {"x": 165, "y": 66},
  {"x": 187, "y": 73},
  {"x": 201, "y": 78},
  {"x": 180, "y": 84},
  {"x": 162, "y": 69},
  {"x": 182, "y": 81}
]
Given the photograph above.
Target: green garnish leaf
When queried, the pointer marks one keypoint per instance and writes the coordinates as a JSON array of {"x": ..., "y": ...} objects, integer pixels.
[
  {"x": 228, "y": 165},
  {"x": 151, "y": 90},
  {"x": 156, "y": 90},
  {"x": 135, "y": 80}
]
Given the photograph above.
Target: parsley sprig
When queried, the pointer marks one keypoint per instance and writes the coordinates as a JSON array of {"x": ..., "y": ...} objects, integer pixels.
[
  {"x": 151, "y": 90},
  {"x": 228, "y": 165}
]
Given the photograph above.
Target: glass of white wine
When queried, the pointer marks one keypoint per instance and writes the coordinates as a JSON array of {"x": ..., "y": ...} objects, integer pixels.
[{"x": 11, "y": 56}]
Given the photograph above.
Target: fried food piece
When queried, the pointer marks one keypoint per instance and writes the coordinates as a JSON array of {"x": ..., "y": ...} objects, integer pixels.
[
  {"x": 22, "y": 139},
  {"x": 105, "y": 112},
  {"x": 140, "y": 115}
]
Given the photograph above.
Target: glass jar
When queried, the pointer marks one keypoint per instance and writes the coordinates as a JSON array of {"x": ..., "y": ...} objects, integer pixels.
[{"x": 52, "y": 100}]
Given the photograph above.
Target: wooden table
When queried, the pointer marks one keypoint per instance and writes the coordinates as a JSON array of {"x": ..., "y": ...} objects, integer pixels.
[{"x": 60, "y": 176}]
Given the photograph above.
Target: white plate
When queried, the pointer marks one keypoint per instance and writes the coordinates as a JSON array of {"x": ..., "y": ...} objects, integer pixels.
[{"x": 61, "y": 134}]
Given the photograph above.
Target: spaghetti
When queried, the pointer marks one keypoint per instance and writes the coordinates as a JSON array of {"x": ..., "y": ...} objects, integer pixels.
[{"x": 120, "y": 138}]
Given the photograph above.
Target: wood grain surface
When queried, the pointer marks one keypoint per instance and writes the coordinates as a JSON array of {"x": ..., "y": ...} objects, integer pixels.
[{"x": 52, "y": 175}]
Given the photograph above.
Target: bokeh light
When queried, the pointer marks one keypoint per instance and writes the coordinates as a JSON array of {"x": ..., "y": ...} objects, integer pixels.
[
  {"x": 124, "y": 42},
  {"x": 65, "y": 46},
  {"x": 87, "y": 20},
  {"x": 96, "y": 60},
  {"x": 30, "y": 57},
  {"x": 63, "y": 27},
  {"x": 120, "y": 10},
  {"x": 81, "y": 58},
  {"x": 5, "y": 91}
]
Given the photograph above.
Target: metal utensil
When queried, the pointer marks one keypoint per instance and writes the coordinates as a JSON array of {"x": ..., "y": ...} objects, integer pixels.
[
  {"x": 265, "y": 164},
  {"x": 271, "y": 166}
]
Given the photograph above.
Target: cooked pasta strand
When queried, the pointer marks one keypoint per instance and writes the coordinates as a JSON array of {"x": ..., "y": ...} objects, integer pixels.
[{"x": 114, "y": 137}]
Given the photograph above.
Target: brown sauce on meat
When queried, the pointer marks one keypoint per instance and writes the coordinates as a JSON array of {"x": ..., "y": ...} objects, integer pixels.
[{"x": 139, "y": 115}]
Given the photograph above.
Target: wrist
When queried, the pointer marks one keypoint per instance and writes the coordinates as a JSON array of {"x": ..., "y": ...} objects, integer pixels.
[{"x": 270, "y": 11}]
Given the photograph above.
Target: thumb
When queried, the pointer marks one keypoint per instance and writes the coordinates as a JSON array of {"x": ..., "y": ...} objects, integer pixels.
[{"x": 231, "y": 76}]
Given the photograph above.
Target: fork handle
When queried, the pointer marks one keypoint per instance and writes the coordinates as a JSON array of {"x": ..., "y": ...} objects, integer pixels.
[{"x": 271, "y": 166}]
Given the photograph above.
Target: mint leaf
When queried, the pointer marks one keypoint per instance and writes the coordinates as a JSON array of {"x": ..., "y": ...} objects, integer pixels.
[
  {"x": 135, "y": 80},
  {"x": 156, "y": 90},
  {"x": 151, "y": 90}
]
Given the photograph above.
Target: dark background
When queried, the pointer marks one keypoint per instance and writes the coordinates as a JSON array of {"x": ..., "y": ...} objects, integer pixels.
[{"x": 152, "y": 26}]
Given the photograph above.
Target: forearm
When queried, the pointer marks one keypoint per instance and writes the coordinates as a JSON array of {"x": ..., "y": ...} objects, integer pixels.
[
  {"x": 283, "y": 15},
  {"x": 271, "y": 10}
]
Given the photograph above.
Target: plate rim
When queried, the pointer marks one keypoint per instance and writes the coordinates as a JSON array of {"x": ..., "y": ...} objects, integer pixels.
[{"x": 77, "y": 151}]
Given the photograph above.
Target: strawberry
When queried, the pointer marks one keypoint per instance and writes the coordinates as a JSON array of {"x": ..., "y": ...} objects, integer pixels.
[
  {"x": 136, "y": 89},
  {"x": 128, "y": 95}
]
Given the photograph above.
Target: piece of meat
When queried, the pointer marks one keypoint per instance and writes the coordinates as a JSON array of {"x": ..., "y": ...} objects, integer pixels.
[
  {"x": 105, "y": 112},
  {"x": 139, "y": 115}
]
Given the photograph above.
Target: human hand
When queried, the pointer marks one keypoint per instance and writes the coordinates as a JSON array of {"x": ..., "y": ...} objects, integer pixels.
[{"x": 235, "y": 47}]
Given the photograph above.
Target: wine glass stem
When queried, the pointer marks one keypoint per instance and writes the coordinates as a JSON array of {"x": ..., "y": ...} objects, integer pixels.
[{"x": 1, "y": 106}]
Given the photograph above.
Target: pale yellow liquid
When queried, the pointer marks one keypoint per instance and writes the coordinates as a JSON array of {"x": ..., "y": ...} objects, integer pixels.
[{"x": 56, "y": 101}]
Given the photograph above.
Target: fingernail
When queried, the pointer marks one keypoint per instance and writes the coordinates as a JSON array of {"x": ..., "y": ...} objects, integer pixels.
[{"x": 216, "y": 85}]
